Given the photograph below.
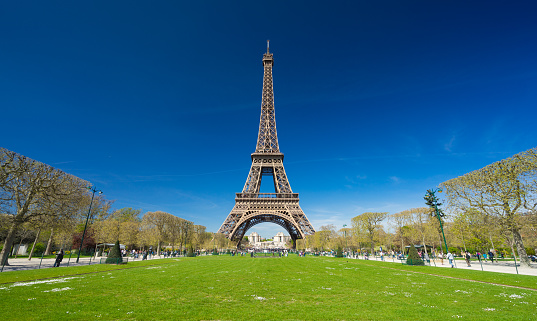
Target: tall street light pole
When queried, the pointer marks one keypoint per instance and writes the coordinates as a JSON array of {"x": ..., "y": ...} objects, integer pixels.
[
  {"x": 345, "y": 231},
  {"x": 432, "y": 201},
  {"x": 94, "y": 190}
]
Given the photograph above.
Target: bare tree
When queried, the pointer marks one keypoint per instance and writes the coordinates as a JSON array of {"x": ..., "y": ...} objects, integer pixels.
[
  {"x": 30, "y": 189},
  {"x": 503, "y": 190},
  {"x": 400, "y": 222},
  {"x": 155, "y": 223}
]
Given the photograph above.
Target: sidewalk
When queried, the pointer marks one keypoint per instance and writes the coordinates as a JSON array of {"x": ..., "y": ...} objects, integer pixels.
[
  {"x": 501, "y": 267},
  {"x": 35, "y": 263}
]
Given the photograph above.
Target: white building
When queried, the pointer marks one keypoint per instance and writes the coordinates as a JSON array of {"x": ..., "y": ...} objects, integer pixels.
[
  {"x": 278, "y": 241},
  {"x": 254, "y": 238}
]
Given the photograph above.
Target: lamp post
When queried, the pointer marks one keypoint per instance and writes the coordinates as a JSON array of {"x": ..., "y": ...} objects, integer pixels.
[
  {"x": 345, "y": 231},
  {"x": 94, "y": 190},
  {"x": 432, "y": 201}
]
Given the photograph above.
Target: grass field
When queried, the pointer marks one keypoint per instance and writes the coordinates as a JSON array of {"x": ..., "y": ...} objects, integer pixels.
[{"x": 244, "y": 288}]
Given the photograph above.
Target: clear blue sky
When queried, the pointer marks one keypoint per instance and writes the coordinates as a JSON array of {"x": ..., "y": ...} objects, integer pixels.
[{"x": 157, "y": 103}]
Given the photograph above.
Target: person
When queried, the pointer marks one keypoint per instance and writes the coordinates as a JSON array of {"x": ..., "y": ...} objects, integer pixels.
[
  {"x": 450, "y": 258},
  {"x": 467, "y": 258},
  {"x": 491, "y": 256},
  {"x": 59, "y": 258}
]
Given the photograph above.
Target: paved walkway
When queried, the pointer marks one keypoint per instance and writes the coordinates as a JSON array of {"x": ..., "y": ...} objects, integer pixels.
[
  {"x": 501, "y": 267},
  {"x": 36, "y": 263}
]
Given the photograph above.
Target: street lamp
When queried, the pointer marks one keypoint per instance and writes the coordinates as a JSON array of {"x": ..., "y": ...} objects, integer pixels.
[
  {"x": 432, "y": 201},
  {"x": 94, "y": 190},
  {"x": 345, "y": 231}
]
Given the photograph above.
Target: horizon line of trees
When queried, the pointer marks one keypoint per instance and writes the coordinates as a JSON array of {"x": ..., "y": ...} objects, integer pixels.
[
  {"x": 40, "y": 203},
  {"x": 490, "y": 208}
]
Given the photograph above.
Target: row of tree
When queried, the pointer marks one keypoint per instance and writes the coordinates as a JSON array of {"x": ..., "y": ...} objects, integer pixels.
[
  {"x": 38, "y": 201},
  {"x": 159, "y": 229},
  {"x": 490, "y": 208}
]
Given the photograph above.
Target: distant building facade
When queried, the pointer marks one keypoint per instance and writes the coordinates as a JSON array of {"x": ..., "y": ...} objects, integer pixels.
[{"x": 278, "y": 241}]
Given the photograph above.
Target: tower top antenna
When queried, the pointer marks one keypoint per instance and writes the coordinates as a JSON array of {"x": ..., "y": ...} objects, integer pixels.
[{"x": 268, "y": 46}]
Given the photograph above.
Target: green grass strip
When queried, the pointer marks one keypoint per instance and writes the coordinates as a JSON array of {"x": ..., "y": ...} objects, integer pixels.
[{"x": 287, "y": 288}]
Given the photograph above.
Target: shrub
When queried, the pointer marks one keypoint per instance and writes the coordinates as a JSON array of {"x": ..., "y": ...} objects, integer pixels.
[
  {"x": 413, "y": 257},
  {"x": 190, "y": 252},
  {"x": 39, "y": 248},
  {"x": 339, "y": 252},
  {"x": 115, "y": 255}
]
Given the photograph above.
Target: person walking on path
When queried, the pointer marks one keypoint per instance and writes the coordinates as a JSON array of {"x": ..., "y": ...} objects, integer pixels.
[
  {"x": 491, "y": 257},
  {"x": 59, "y": 258},
  {"x": 450, "y": 258},
  {"x": 467, "y": 258}
]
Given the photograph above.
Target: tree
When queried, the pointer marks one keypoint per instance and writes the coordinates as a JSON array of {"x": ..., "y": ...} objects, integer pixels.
[
  {"x": 420, "y": 217},
  {"x": 399, "y": 222},
  {"x": 185, "y": 232},
  {"x": 115, "y": 254},
  {"x": 199, "y": 235},
  {"x": 502, "y": 190},
  {"x": 89, "y": 240},
  {"x": 31, "y": 189},
  {"x": 221, "y": 240},
  {"x": 369, "y": 224},
  {"x": 129, "y": 233},
  {"x": 155, "y": 224},
  {"x": 413, "y": 257}
]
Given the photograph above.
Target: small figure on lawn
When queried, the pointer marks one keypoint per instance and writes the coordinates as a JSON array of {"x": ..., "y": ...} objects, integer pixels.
[
  {"x": 467, "y": 258},
  {"x": 491, "y": 257},
  {"x": 59, "y": 258},
  {"x": 451, "y": 259}
]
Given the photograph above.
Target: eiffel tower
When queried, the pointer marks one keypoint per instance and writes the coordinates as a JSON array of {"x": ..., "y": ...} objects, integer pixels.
[{"x": 281, "y": 207}]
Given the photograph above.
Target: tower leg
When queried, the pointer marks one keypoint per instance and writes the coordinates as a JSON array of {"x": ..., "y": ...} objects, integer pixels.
[{"x": 294, "y": 243}]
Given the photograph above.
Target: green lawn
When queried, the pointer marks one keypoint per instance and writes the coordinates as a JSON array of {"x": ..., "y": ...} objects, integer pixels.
[{"x": 244, "y": 288}]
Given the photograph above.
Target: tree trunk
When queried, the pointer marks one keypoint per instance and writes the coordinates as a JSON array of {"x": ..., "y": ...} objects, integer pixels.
[
  {"x": 8, "y": 243},
  {"x": 524, "y": 260},
  {"x": 33, "y": 246},
  {"x": 511, "y": 243},
  {"x": 20, "y": 243},
  {"x": 158, "y": 248},
  {"x": 463, "y": 243},
  {"x": 423, "y": 243},
  {"x": 49, "y": 243},
  {"x": 492, "y": 243}
]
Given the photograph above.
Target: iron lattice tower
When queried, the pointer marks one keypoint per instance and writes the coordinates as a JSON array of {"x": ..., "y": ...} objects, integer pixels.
[{"x": 281, "y": 207}]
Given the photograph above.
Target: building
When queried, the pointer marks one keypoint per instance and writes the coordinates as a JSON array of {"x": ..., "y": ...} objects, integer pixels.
[{"x": 279, "y": 241}]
